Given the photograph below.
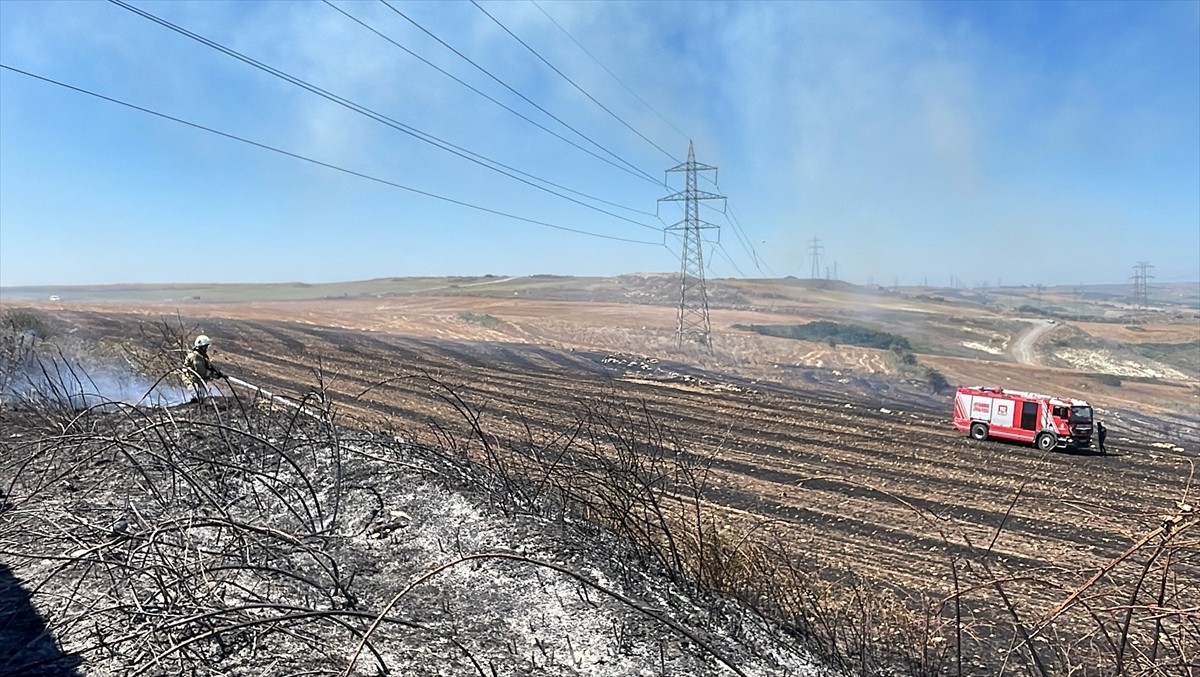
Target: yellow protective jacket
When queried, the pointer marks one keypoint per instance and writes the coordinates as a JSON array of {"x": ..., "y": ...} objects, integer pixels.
[{"x": 197, "y": 367}]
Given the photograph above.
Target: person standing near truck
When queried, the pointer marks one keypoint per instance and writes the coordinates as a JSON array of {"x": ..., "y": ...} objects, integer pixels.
[{"x": 1101, "y": 433}]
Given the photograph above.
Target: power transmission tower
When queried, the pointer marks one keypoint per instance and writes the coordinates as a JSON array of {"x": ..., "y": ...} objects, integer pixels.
[
  {"x": 1146, "y": 277},
  {"x": 1141, "y": 284},
  {"x": 693, "y": 322},
  {"x": 814, "y": 248}
]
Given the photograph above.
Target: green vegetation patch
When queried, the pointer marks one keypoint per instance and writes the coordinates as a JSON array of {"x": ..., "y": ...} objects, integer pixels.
[
  {"x": 1107, "y": 379},
  {"x": 856, "y": 335},
  {"x": 833, "y": 334},
  {"x": 1183, "y": 356}
]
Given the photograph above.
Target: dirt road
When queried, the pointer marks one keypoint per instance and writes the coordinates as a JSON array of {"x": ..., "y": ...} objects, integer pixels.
[{"x": 1023, "y": 347}]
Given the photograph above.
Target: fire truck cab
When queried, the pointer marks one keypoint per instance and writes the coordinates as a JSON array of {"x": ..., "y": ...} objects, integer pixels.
[{"x": 1044, "y": 421}]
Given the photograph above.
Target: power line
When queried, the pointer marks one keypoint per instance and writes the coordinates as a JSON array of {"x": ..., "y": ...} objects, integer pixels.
[
  {"x": 504, "y": 106},
  {"x": 606, "y": 70},
  {"x": 744, "y": 239},
  {"x": 726, "y": 211},
  {"x": 573, "y": 83},
  {"x": 320, "y": 163},
  {"x": 504, "y": 84},
  {"x": 753, "y": 252},
  {"x": 720, "y": 249},
  {"x": 480, "y": 160},
  {"x": 740, "y": 232}
]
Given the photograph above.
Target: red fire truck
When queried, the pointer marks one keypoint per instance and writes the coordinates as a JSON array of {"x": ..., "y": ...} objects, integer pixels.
[{"x": 1045, "y": 421}]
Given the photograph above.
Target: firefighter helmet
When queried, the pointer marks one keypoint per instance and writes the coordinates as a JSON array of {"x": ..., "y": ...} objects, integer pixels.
[{"x": 202, "y": 341}]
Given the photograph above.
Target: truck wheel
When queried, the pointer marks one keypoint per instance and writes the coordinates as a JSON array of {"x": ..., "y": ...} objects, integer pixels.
[
  {"x": 1046, "y": 441},
  {"x": 979, "y": 431}
]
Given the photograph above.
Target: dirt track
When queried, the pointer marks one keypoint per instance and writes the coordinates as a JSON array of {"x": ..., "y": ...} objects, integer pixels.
[
  {"x": 876, "y": 484},
  {"x": 1023, "y": 347}
]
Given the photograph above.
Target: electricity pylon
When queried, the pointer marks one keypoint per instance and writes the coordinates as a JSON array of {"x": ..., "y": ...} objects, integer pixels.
[
  {"x": 814, "y": 247},
  {"x": 1141, "y": 284},
  {"x": 693, "y": 323}
]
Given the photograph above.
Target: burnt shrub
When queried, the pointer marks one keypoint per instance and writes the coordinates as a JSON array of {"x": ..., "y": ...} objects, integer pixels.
[
  {"x": 937, "y": 380},
  {"x": 28, "y": 322}
]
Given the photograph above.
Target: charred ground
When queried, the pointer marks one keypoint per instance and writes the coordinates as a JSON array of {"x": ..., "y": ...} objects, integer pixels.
[{"x": 858, "y": 481}]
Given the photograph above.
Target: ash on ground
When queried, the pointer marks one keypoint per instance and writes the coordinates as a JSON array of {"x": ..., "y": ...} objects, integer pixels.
[{"x": 234, "y": 537}]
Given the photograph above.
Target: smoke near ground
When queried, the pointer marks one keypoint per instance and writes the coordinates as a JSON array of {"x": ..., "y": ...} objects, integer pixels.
[
  {"x": 71, "y": 384},
  {"x": 71, "y": 375}
]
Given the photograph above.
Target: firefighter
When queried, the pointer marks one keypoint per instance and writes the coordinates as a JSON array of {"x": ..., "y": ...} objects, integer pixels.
[
  {"x": 1101, "y": 433},
  {"x": 198, "y": 369}
]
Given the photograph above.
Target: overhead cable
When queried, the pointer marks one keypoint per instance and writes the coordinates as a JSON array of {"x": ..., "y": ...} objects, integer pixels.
[
  {"x": 504, "y": 84},
  {"x": 741, "y": 235},
  {"x": 606, "y": 70},
  {"x": 749, "y": 245},
  {"x": 480, "y": 160},
  {"x": 572, "y": 82},
  {"x": 507, "y": 108},
  {"x": 720, "y": 249},
  {"x": 320, "y": 163},
  {"x": 714, "y": 246},
  {"x": 743, "y": 239}
]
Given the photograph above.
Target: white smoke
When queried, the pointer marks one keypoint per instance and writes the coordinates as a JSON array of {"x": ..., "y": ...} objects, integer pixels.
[{"x": 69, "y": 383}]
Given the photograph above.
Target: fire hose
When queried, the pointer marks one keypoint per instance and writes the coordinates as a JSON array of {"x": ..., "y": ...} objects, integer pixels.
[{"x": 233, "y": 380}]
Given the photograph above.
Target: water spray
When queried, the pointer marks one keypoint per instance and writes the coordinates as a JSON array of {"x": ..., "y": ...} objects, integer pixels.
[{"x": 233, "y": 380}]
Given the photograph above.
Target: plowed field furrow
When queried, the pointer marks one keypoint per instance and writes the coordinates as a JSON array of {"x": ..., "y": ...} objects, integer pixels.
[
  {"x": 884, "y": 488},
  {"x": 861, "y": 448},
  {"x": 864, "y": 515}
]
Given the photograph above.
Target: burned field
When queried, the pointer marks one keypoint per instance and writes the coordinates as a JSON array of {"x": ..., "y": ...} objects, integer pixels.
[
  {"x": 849, "y": 512},
  {"x": 245, "y": 537}
]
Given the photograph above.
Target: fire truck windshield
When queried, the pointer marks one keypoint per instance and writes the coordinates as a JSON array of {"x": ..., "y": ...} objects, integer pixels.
[{"x": 1081, "y": 414}]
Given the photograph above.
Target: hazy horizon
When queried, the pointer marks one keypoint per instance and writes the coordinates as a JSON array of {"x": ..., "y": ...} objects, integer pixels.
[{"x": 500, "y": 276}]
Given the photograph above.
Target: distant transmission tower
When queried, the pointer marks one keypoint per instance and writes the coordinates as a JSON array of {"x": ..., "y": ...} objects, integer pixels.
[
  {"x": 1141, "y": 284},
  {"x": 814, "y": 248},
  {"x": 693, "y": 322}
]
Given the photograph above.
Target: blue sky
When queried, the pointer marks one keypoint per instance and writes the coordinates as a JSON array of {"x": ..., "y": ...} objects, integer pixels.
[{"x": 1013, "y": 142}]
